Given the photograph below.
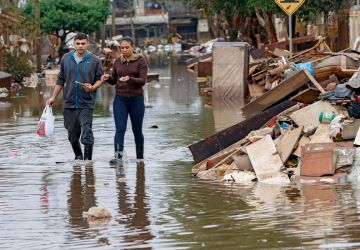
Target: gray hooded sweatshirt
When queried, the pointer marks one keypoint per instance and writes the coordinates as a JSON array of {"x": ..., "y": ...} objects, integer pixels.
[{"x": 89, "y": 70}]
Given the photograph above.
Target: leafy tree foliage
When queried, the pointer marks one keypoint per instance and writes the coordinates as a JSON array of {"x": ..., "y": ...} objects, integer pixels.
[
  {"x": 62, "y": 17},
  {"x": 265, "y": 8},
  {"x": 17, "y": 64}
]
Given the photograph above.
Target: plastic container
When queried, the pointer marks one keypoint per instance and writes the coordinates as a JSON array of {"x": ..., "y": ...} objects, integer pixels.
[
  {"x": 307, "y": 66},
  {"x": 326, "y": 117}
]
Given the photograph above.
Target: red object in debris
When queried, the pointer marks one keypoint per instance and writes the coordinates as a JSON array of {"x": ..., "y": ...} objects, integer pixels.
[
  {"x": 319, "y": 159},
  {"x": 272, "y": 122}
]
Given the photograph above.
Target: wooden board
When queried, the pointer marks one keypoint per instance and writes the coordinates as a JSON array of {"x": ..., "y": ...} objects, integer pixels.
[
  {"x": 286, "y": 87},
  {"x": 265, "y": 159},
  {"x": 357, "y": 138},
  {"x": 350, "y": 131},
  {"x": 310, "y": 114},
  {"x": 303, "y": 140},
  {"x": 307, "y": 96},
  {"x": 204, "y": 69},
  {"x": 223, "y": 139},
  {"x": 322, "y": 134},
  {"x": 287, "y": 143},
  {"x": 256, "y": 90}
]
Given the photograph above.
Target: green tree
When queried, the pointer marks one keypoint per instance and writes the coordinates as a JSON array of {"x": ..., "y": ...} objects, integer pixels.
[
  {"x": 17, "y": 64},
  {"x": 311, "y": 9},
  {"x": 240, "y": 12},
  {"x": 62, "y": 17}
]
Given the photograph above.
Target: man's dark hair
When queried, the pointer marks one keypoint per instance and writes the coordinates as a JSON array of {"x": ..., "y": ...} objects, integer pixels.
[
  {"x": 127, "y": 39},
  {"x": 81, "y": 36}
]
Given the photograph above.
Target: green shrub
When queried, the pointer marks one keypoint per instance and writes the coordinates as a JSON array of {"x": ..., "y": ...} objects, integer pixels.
[{"x": 18, "y": 65}]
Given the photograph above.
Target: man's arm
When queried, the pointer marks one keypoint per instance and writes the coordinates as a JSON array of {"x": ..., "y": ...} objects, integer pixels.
[
  {"x": 99, "y": 72},
  {"x": 91, "y": 88}
]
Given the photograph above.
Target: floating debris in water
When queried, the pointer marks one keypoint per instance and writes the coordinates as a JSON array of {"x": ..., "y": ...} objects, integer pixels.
[
  {"x": 95, "y": 213},
  {"x": 122, "y": 179}
]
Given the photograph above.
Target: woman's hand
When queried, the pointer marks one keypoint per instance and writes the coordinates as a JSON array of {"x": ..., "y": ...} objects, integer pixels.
[{"x": 124, "y": 78}]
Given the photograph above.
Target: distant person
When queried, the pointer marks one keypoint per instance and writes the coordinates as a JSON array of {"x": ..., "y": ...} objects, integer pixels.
[
  {"x": 79, "y": 76},
  {"x": 129, "y": 76},
  {"x": 49, "y": 59}
]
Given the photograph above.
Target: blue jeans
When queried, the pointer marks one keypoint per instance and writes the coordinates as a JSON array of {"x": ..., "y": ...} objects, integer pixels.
[{"x": 133, "y": 106}]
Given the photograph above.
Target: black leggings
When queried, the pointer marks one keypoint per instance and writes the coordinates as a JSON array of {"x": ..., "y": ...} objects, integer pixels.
[{"x": 133, "y": 106}]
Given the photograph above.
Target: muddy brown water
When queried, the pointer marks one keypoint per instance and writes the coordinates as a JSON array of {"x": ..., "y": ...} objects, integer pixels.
[{"x": 161, "y": 206}]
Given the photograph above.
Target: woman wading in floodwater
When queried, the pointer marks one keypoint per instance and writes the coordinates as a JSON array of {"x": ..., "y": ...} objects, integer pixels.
[{"x": 129, "y": 76}]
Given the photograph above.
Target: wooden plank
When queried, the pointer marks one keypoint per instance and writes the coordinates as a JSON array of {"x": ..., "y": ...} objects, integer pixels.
[
  {"x": 286, "y": 87},
  {"x": 223, "y": 139},
  {"x": 312, "y": 79},
  {"x": 201, "y": 166},
  {"x": 357, "y": 138},
  {"x": 310, "y": 114},
  {"x": 307, "y": 96},
  {"x": 302, "y": 142},
  {"x": 266, "y": 164},
  {"x": 350, "y": 131},
  {"x": 213, "y": 161},
  {"x": 287, "y": 143},
  {"x": 204, "y": 69},
  {"x": 284, "y": 44},
  {"x": 322, "y": 134},
  {"x": 256, "y": 90}
]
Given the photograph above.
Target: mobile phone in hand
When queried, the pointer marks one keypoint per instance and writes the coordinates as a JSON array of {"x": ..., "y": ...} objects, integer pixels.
[{"x": 82, "y": 84}]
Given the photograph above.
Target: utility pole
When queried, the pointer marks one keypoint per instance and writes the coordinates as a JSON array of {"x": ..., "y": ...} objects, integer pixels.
[
  {"x": 38, "y": 37},
  {"x": 103, "y": 35},
  {"x": 132, "y": 25},
  {"x": 113, "y": 13},
  {"x": 132, "y": 12}
]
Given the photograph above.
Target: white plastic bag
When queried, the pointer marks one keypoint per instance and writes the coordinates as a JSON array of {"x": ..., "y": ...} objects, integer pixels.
[{"x": 45, "y": 126}]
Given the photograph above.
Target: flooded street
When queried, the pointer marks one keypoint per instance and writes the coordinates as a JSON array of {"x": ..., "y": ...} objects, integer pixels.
[{"x": 42, "y": 196}]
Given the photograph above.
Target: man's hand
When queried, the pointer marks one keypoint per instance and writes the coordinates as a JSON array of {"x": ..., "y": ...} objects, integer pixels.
[
  {"x": 124, "y": 78},
  {"x": 105, "y": 77},
  {"x": 50, "y": 101},
  {"x": 88, "y": 87}
]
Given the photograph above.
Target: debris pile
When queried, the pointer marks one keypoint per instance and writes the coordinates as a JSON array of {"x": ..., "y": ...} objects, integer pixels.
[{"x": 311, "y": 103}]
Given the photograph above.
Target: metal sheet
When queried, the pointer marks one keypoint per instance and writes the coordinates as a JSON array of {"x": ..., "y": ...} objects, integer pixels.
[{"x": 221, "y": 140}]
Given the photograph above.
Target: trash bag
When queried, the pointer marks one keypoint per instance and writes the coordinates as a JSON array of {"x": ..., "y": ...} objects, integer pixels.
[
  {"x": 354, "y": 109},
  {"x": 45, "y": 126}
]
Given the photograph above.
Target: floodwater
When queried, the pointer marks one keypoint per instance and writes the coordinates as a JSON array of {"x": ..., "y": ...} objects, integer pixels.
[{"x": 160, "y": 206}]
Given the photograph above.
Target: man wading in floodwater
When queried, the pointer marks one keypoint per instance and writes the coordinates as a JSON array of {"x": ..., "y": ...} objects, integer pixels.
[{"x": 79, "y": 76}]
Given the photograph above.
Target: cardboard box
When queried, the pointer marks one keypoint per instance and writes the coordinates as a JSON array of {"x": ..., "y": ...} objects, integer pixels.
[{"x": 319, "y": 159}]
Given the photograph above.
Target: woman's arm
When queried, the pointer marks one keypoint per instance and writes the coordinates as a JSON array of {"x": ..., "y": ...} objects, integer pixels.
[{"x": 143, "y": 69}]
